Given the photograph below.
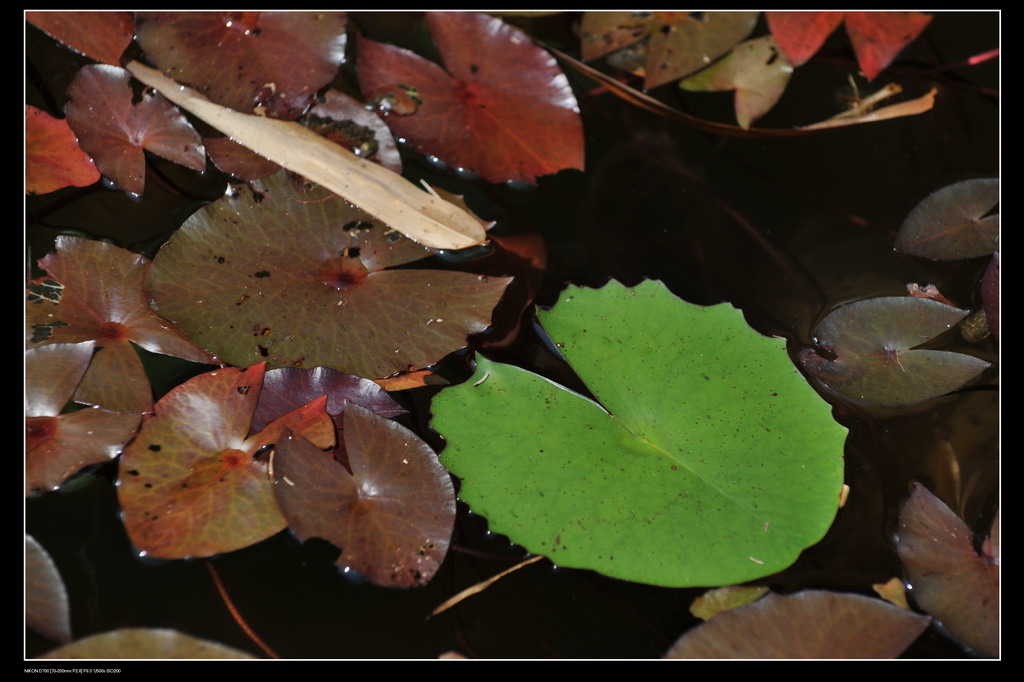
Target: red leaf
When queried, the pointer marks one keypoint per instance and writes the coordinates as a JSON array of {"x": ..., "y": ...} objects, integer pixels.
[
  {"x": 189, "y": 482},
  {"x": 877, "y": 37},
  {"x": 104, "y": 36},
  {"x": 114, "y": 131},
  {"x": 243, "y": 60},
  {"x": 53, "y": 158},
  {"x": 801, "y": 34},
  {"x": 506, "y": 110},
  {"x": 233, "y": 158},
  {"x": 94, "y": 292},
  {"x": 392, "y": 517}
]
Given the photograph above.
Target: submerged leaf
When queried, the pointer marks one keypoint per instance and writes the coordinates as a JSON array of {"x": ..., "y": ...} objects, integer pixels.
[
  {"x": 809, "y": 624},
  {"x": 392, "y": 517},
  {"x": 866, "y": 351},
  {"x": 503, "y": 109},
  {"x": 298, "y": 277},
  {"x": 708, "y": 461},
  {"x": 949, "y": 579},
  {"x": 755, "y": 69},
  {"x": 678, "y": 43},
  {"x": 951, "y": 224}
]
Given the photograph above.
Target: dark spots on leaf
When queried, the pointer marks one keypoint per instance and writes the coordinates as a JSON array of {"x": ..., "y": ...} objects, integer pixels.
[
  {"x": 133, "y": 472},
  {"x": 262, "y": 273},
  {"x": 243, "y": 390},
  {"x": 219, "y": 259},
  {"x": 473, "y": 68},
  {"x": 357, "y": 225},
  {"x": 43, "y": 331},
  {"x": 147, "y": 485},
  {"x": 48, "y": 290},
  {"x": 675, "y": 468},
  {"x": 154, "y": 448},
  {"x": 262, "y": 350},
  {"x": 698, "y": 16},
  {"x": 257, "y": 197}
]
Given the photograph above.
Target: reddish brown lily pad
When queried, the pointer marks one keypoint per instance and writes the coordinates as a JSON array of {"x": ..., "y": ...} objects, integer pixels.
[
  {"x": 809, "y": 624},
  {"x": 53, "y": 158},
  {"x": 190, "y": 483},
  {"x": 242, "y": 60},
  {"x": 950, "y": 580},
  {"x": 298, "y": 277},
  {"x": 866, "y": 351},
  {"x": 503, "y": 108},
  {"x": 59, "y": 445},
  {"x": 94, "y": 292},
  {"x": 392, "y": 516},
  {"x": 951, "y": 223},
  {"x": 115, "y": 132},
  {"x": 104, "y": 36}
]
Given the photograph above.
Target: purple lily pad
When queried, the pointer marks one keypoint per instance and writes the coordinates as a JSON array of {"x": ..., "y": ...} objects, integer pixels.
[
  {"x": 866, "y": 351},
  {"x": 951, "y": 224}
]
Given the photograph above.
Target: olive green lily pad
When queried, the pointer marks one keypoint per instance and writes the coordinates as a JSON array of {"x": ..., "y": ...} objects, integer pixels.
[{"x": 709, "y": 460}]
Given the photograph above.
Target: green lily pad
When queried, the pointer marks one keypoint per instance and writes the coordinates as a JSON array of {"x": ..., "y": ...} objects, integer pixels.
[{"x": 709, "y": 460}]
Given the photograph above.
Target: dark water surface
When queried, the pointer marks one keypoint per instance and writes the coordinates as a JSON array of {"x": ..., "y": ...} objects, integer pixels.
[{"x": 784, "y": 228}]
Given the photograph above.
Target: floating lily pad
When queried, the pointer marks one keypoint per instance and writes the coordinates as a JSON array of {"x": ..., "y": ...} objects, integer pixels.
[
  {"x": 810, "y": 624},
  {"x": 708, "y": 460},
  {"x": 94, "y": 292},
  {"x": 503, "y": 108},
  {"x": 190, "y": 483},
  {"x": 950, "y": 580},
  {"x": 951, "y": 224},
  {"x": 114, "y": 131},
  {"x": 866, "y": 351},
  {"x": 298, "y": 277},
  {"x": 276, "y": 60},
  {"x": 391, "y": 517}
]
